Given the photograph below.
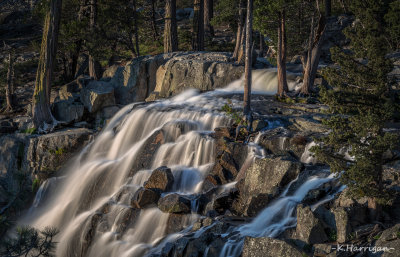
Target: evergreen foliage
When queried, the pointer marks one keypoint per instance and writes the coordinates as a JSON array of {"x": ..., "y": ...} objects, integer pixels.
[
  {"x": 360, "y": 103},
  {"x": 29, "y": 242}
]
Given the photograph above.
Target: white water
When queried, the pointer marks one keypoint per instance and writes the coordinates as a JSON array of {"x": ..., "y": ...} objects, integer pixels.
[
  {"x": 273, "y": 220},
  {"x": 91, "y": 207}
]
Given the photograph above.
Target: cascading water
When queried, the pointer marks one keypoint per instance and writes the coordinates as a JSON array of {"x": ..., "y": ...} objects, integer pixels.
[{"x": 91, "y": 207}]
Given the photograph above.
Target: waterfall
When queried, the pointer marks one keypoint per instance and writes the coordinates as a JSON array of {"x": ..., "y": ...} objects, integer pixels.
[{"x": 91, "y": 204}]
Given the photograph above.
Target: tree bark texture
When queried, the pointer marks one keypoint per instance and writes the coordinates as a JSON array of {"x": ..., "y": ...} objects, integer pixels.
[
  {"x": 248, "y": 61},
  {"x": 281, "y": 60},
  {"x": 208, "y": 15},
  {"x": 313, "y": 55},
  {"x": 10, "y": 83},
  {"x": 239, "y": 34},
  {"x": 93, "y": 65},
  {"x": 170, "y": 28},
  {"x": 198, "y": 26},
  {"x": 42, "y": 117}
]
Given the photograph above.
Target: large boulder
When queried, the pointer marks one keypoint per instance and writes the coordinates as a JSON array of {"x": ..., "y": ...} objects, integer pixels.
[
  {"x": 161, "y": 178},
  {"x": 169, "y": 74},
  {"x": 97, "y": 95},
  {"x": 309, "y": 228},
  {"x": 203, "y": 71},
  {"x": 45, "y": 154},
  {"x": 145, "y": 197},
  {"x": 174, "y": 203},
  {"x": 269, "y": 247},
  {"x": 263, "y": 181},
  {"x": 68, "y": 111}
]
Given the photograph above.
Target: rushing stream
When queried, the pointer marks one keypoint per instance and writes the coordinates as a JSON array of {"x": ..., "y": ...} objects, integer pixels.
[{"x": 95, "y": 192}]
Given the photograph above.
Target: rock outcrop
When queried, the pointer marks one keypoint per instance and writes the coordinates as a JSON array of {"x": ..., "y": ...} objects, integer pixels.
[
  {"x": 263, "y": 181},
  {"x": 269, "y": 247}
]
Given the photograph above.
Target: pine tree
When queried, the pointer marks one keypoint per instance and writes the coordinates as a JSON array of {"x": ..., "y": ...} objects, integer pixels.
[
  {"x": 42, "y": 117},
  {"x": 360, "y": 103},
  {"x": 248, "y": 60},
  {"x": 170, "y": 28},
  {"x": 198, "y": 26}
]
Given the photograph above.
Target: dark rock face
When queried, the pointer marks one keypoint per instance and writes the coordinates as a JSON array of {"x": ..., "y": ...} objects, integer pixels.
[
  {"x": 68, "y": 111},
  {"x": 309, "y": 228},
  {"x": 263, "y": 181},
  {"x": 269, "y": 247},
  {"x": 161, "y": 178},
  {"x": 174, "y": 203},
  {"x": 144, "y": 198}
]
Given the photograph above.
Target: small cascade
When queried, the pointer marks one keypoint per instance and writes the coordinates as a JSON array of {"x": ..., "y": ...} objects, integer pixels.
[{"x": 273, "y": 220}]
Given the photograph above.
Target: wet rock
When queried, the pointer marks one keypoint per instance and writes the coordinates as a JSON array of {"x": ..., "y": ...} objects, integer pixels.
[
  {"x": 97, "y": 95},
  {"x": 269, "y": 247},
  {"x": 145, "y": 155},
  {"x": 144, "y": 198},
  {"x": 309, "y": 228},
  {"x": 263, "y": 181},
  {"x": 342, "y": 224},
  {"x": 67, "y": 111},
  {"x": 176, "y": 222},
  {"x": 224, "y": 201},
  {"x": 174, "y": 203},
  {"x": 161, "y": 178}
]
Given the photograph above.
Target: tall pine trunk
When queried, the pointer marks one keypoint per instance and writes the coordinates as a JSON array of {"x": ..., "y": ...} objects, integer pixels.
[
  {"x": 42, "y": 117},
  {"x": 198, "y": 26},
  {"x": 153, "y": 20},
  {"x": 239, "y": 33},
  {"x": 135, "y": 24},
  {"x": 94, "y": 70},
  {"x": 313, "y": 55},
  {"x": 281, "y": 60},
  {"x": 208, "y": 15},
  {"x": 248, "y": 61},
  {"x": 10, "y": 83},
  {"x": 170, "y": 28}
]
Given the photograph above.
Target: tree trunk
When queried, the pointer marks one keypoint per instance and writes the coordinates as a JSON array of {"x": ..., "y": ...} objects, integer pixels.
[
  {"x": 198, "y": 26},
  {"x": 10, "y": 83},
  {"x": 136, "y": 27},
  {"x": 248, "y": 61},
  {"x": 170, "y": 28},
  {"x": 239, "y": 34},
  {"x": 313, "y": 55},
  {"x": 242, "y": 46},
  {"x": 328, "y": 8},
  {"x": 208, "y": 15},
  {"x": 93, "y": 66},
  {"x": 153, "y": 20},
  {"x": 42, "y": 117},
  {"x": 281, "y": 60}
]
